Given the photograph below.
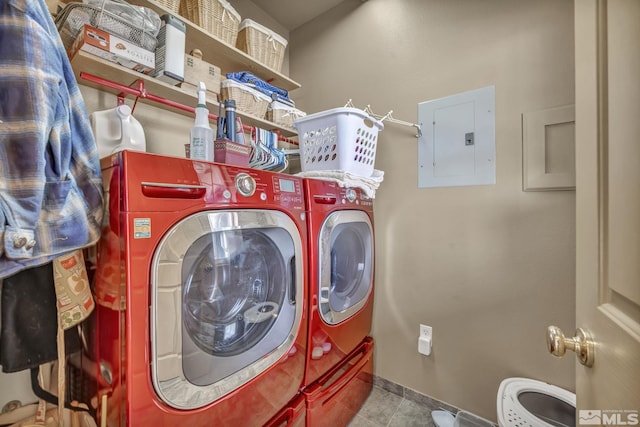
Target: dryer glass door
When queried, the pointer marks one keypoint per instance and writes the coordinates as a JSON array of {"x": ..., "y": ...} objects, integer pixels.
[
  {"x": 226, "y": 303},
  {"x": 345, "y": 255}
]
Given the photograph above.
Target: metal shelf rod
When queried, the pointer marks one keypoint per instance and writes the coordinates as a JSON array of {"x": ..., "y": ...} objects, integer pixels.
[
  {"x": 388, "y": 117},
  {"x": 141, "y": 92}
]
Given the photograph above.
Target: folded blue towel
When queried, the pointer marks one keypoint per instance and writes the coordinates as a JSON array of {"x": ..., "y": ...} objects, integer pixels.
[{"x": 273, "y": 92}]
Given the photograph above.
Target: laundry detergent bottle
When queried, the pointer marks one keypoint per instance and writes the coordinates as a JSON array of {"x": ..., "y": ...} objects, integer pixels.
[
  {"x": 201, "y": 142},
  {"x": 116, "y": 130}
]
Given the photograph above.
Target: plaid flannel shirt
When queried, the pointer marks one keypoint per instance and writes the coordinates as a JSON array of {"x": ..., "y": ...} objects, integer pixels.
[{"x": 51, "y": 199}]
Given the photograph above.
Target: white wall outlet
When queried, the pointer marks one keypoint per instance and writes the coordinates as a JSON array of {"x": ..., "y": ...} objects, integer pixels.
[
  {"x": 426, "y": 331},
  {"x": 425, "y": 339}
]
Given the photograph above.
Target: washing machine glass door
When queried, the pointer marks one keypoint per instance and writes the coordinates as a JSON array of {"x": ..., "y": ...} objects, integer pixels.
[
  {"x": 345, "y": 256},
  {"x": 225, "y": 303}
]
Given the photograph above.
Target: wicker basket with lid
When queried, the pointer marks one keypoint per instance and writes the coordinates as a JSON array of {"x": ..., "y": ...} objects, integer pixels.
[{"x": 217, "y": 17}]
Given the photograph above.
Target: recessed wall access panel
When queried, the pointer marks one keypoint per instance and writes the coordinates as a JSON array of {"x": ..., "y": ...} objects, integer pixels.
[
  {"x": 457, "y": 144},
  {"x": 549, "y": 149}
]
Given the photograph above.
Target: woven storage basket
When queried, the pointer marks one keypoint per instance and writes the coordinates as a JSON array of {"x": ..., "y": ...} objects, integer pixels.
[
  {"x": 248, "y": 100},
  {"x": 262, "y": 44},
  {"x": 171, "y": 5},
  {"x": 283, "y": 114},
  {"x": 338, "y": 139},
  {"x": 217, "y": 17}
]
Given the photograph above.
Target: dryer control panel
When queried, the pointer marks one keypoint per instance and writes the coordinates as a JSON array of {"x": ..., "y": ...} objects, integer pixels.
[
  {"x": 353, "y": 197},
  {"x": 331, "y": 196}
]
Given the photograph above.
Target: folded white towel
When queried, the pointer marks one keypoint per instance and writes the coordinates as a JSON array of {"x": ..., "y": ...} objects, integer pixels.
[{"x": 368, "y": 184}]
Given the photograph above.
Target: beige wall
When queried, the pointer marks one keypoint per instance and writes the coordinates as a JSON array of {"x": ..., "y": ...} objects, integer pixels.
[{"x": 489, "y": 267}]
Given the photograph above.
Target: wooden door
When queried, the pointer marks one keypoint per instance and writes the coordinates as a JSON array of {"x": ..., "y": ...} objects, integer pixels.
[{"x": 607, "y": 39}]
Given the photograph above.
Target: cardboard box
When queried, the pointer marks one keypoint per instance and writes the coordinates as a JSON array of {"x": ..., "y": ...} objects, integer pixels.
[
  {"x": 114, "y": 49},
  {"x": 196, "y": 70},
  {"x": 193, "y": 90}
]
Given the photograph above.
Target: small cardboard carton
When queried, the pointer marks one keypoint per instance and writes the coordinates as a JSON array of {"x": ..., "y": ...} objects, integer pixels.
[
  {"x": 196, "y": 70},
  {"x": 114, "y": 49}
]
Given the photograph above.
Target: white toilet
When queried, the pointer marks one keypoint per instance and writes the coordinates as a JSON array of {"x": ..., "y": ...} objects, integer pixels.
[{"x": 524, "y": 402}]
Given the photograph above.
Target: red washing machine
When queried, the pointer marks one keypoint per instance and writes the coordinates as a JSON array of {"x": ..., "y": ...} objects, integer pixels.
[
  {"x": 293, "y": 415},
  {"x": 339, "y": 368},
  {"x": 200, "y": 292}
]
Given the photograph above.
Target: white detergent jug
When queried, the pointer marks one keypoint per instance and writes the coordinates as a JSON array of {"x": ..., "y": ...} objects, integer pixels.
[{"x": 116, "y": 130}]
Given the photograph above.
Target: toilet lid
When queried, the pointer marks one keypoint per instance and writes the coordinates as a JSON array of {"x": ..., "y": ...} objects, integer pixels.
[{"x": 511, "y": 412}]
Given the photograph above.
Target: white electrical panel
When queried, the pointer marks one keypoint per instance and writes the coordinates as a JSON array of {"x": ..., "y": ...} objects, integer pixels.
[{"x": 457, "y": 145}]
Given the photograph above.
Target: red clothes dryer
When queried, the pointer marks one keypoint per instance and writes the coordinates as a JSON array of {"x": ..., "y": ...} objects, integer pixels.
[
  {"x": 334, "y": 399},
  {"x": 341, "y": 281},
  {"x": 200, "y": 291}
]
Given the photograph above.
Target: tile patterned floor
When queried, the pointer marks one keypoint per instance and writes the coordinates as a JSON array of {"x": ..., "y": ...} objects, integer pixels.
[
  {"x": 386, "y": 409},
  {"x": 391, "y": 405}
]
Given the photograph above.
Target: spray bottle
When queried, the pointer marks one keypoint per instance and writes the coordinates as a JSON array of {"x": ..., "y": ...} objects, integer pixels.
[{"x": 201, "y": 142}]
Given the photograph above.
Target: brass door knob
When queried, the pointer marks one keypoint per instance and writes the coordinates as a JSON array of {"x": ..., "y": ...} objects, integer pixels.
[{"x": 582, "y": 344}]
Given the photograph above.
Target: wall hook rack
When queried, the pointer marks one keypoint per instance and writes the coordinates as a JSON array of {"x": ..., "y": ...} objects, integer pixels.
[{"x": 389, "y": 118}]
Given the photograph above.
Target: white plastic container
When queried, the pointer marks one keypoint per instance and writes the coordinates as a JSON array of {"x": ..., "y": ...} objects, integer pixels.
[
  {"x": 170, "y": 50},
  {"x": 116, "y": 130},
  {"x": 342, "y": 139}
]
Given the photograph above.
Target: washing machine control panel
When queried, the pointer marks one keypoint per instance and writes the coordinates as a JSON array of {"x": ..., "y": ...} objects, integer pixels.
[
  {"x": 245, "y": 184},
  {"x": 266, "y": 187},
  {"x": 287, "y": 190}
]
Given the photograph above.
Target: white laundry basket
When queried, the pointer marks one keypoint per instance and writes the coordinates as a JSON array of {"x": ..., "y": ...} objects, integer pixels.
[{"x": 338, "y": 139}]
